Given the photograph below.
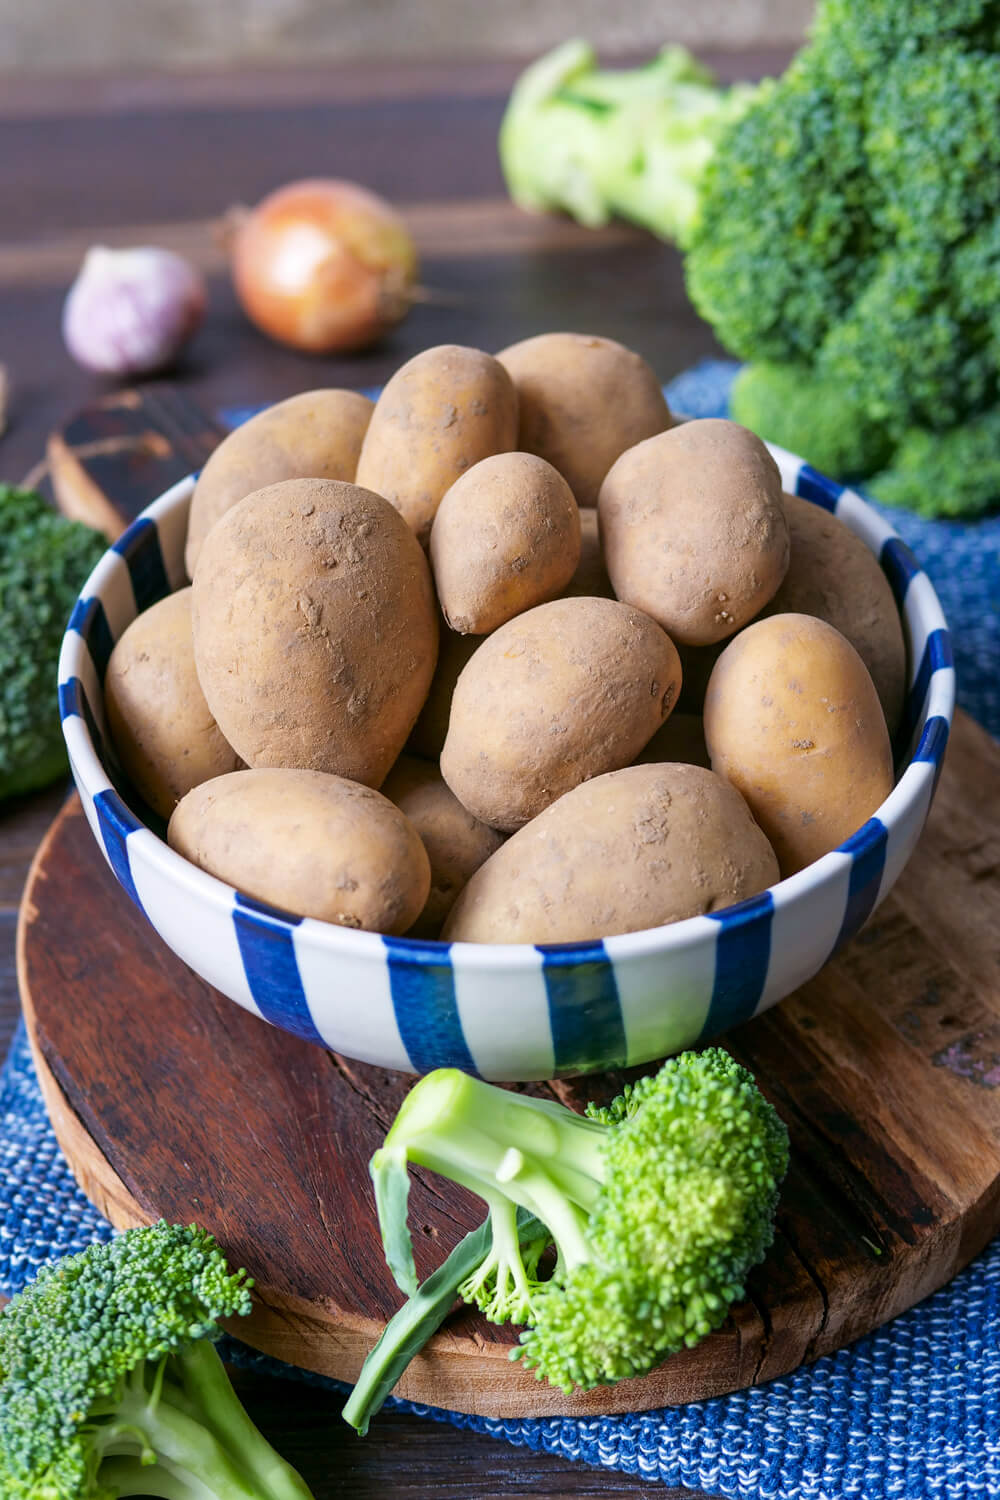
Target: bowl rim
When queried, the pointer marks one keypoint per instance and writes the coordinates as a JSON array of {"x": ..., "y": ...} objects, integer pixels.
[{"x": 924, "y": 731}]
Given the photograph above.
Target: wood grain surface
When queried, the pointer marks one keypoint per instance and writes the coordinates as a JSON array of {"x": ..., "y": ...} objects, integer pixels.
[{"x": 170, "y": 1101}]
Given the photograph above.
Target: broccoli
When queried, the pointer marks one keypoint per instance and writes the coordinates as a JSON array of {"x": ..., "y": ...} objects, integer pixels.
[
  {"x": 848, "y": 230},
  {"x": 633, "y": 142},
  {"x": 110, "y": 1384},
  {"x": 44, "y": 562},
  {"x": 657, "y": 1207}
]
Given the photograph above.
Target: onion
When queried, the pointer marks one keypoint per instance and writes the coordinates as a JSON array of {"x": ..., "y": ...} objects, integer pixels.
[{"x": 323, "y": 265}]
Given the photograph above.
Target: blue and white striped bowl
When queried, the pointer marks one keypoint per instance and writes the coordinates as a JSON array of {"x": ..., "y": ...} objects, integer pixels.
[{"x": 516, "y": 1012}]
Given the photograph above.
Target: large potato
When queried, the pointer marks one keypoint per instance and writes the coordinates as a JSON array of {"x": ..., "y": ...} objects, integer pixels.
[
  {"x": 629, "y": 850},
  {"x": 693, "y": 529},
  {"x": 506, "y": 536},
  {"x": 566, "y": 691},
  {"x": 441, "y": 412},
  {"x": 583, "y": 401},
  {"x": 456, "y": 842},
  {"x": 316, "y": 845},
  {"x": 315, "y": 628},
  {"x": 833, "y": 575},
  {"x": 793, "y": 720},
  {"x": 316, "y": 435},
  {"x": 164, "y": 732},
  {"x": 591, "y": 577}
]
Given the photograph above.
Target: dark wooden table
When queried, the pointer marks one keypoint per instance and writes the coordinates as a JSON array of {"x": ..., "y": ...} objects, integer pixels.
[{"x": 157, "y": 160}]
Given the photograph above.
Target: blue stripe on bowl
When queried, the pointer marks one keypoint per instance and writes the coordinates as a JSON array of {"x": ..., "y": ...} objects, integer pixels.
[
  {"x": 585, "y": 1013},
  {"x": 140, "y": 547},
  {"x": 933, "y": 741},
  {"x": 900, "y": 567},
  {"x": 91, "y": 623},
  {"x": 814, "y": 486},
  {"x": 867, "y": 849},
  {"x": 742, "y": 957},
  {"x": 264, "y": 935},
  {"x": 116, "y": 822},
  {"x": 422, "y": 985},
  {"x": 937, "y": 654}
]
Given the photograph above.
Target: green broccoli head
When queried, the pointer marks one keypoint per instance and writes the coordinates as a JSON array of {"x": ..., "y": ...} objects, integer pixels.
[
  {"x": 954, "y": 473},
  {"x": 110, "y": 1384},
  {"x": 826, "y": 422},
  {"x": 657, "y": 1207},
  {"x": 44, "y": 562}
]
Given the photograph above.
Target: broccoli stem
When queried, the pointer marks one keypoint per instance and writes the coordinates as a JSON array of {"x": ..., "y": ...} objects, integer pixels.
[
  {"x": 506, "y": 1146},
  {"x": 127, "y": 1476}
]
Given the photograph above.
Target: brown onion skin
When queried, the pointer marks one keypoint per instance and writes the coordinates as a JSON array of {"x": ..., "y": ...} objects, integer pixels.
[{"x": 323, "y": 265}]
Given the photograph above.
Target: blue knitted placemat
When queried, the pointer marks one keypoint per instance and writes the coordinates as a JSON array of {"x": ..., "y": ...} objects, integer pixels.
[{"x": 910, "y": 1412}]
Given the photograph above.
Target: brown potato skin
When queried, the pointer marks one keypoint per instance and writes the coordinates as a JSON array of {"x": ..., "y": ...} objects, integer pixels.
[
  {"x": 431, "y": 729},
  {"x": 793, "y": 720},
  {"x": 442, "y": 412},
  {"x": 320, "y": 846},
  {"x": 566, "y": 691},
  {"x": 456, "y": 842},
  {"x": 693, "y": 529},
  {"x": 682, "y": 738},
  {"x": 506, "y": 537},
  {"x": 583, "y": 401},
  {"x": 164, "y": 732},
  {"x": 590, "y": 581},
  {"x": 834, "y": 576},
  {"x": 626, "y": 851},
  {"x": 316, "y": 435},
  {"x": 315, "y": 628}
]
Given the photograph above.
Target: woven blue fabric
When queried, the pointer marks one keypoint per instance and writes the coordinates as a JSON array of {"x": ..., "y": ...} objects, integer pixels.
[{"x": 909, "y": 1413}]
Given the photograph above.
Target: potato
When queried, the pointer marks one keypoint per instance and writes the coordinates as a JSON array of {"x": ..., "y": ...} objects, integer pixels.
[
  {"x": 583, "y": 401},
  {"x": 441, "y": 412},
  {"x": 431, "y": 728},
  {"x": 591, "y": 579},
  {"x": 313, "y": 436},
  {"x": 506, "y": 536},
  {"x": 625, "y": 851},
  {"x": 793, "y": 720},
  {"x": 833, "y": 575},
  {"x": 316, "y": 845},
  {"x": 456, "y": 842},
  {"x": 681, "y": 738},
  {"x": 315, "y": 628},
  {"x": 693, "y": 529},
  {"x": 166, "y": 738},
  {"x": 566, "y": 691}
]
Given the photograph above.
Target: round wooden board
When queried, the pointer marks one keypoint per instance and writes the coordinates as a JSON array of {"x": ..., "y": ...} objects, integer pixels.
[{"x": 171, "y": 1101}]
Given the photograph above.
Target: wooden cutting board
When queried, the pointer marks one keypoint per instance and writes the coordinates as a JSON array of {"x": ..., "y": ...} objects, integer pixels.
[{"x": 171, "y": 1101}]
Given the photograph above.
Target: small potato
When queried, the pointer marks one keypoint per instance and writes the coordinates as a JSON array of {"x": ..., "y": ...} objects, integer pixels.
[
  {"x": 315, "y": 628},
  {"x": 316, "y": 845},
  {"x": 630, "y": 850},
  {"x": 565, "y": 692},
  {"x": 682, "y": 738},
  {"x": 316, "y": 435},
  {"x": 834, "y": 576},
  {"x": 793, "y": 720},
  {"x": 431, "y": 728},
  {"x": 583, "y": 401},
  {"x": 506, "y": 536},
  {"x": 162, "y": 727},
  {"x": 456, "y": 842},
  {"x": 442, "y": 412},
  {"x": 693, "y": 529},
  {"x": 591, "y": 579}
]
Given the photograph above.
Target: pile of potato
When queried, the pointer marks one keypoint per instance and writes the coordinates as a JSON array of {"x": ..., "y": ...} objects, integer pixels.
[{"x": 426, "y": 679}]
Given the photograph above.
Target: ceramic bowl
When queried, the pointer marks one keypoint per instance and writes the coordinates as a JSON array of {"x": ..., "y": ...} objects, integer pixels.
[{"x": 509, "y": 1012}]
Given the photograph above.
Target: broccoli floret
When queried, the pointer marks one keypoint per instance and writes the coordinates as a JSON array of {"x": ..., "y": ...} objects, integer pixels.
[
  {"x": 927, "y": 466},
  {"x": 657, "y": 1207},
  {"x": 110, "y": 1384},
  {"x": 823, "y": 421},
  {"x": 848, "y": 228},
  {"x": 44, "y": 562}
]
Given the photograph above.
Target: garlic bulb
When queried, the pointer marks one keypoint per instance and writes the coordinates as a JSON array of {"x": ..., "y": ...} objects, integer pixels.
[{"x": 130, "y": 312}]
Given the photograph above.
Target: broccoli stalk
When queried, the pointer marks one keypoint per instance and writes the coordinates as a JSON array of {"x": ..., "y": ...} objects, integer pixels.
[
  {"x": 657, "y": 1207},
  {"x": 110, "y": 1384}
]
